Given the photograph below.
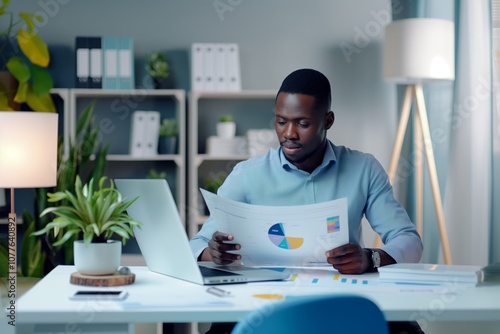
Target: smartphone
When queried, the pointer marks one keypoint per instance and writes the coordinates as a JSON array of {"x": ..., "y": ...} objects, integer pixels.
[{"x": 99, "y": 295}]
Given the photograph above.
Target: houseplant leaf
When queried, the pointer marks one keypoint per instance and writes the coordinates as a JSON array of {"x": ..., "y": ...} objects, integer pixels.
[
  {"x": 33, "y": 48},
  {"x": 41, "y": 81},
  {"x": 18, "y": 69},
  {"x": 40, "y": 103}
]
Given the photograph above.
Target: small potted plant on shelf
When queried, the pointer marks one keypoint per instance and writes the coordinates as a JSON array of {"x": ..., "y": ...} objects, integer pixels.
[
  {"x": 167, "y": 143},
  {"x": 96, "y": 215},
  {"x": 157, "y": 67},
  {"x": 226, "y": 127},
  {"x": 25, "y": 57}
]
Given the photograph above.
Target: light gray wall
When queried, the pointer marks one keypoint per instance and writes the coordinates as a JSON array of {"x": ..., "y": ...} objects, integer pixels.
[
  {"x": 342, "y": 39},
  {"x": 275, "y": 37}
]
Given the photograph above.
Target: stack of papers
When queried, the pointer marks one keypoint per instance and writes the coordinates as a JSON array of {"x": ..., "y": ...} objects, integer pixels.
[{"x": 423, "y": 273}]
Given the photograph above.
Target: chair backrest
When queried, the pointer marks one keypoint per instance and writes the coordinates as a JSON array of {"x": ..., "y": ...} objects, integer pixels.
[{"x": 315, "y": 314}]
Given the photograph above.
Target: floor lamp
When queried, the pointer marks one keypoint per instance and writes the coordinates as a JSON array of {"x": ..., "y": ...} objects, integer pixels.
[
  {"x": 28, "y": 159},
  {"x": 416, "y": 51}
]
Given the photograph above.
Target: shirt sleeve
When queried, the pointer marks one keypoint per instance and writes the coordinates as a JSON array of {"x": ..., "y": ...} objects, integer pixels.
[
  {"x": 200, "y": 241},
  {"x": 390, "y": 220}
]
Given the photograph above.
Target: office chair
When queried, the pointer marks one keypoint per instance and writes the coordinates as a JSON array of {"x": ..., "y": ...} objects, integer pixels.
[{"x": 315, "y": 314}]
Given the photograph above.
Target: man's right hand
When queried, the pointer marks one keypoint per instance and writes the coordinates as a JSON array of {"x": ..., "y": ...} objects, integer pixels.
[{"x": 218, "y": 250}]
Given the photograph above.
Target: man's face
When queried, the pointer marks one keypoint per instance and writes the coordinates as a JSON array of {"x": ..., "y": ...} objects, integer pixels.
[{"x": 301, "y": 129}]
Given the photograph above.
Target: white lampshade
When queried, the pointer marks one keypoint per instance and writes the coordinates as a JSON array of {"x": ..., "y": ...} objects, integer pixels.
[
  {"x": 419, "y": 49},
  {"x": 28, "y": 149}
]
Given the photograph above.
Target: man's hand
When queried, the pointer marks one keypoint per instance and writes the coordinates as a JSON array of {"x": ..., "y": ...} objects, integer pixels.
[
  {"x": 349, "y": 259},
  {"x": 218, "y": 249}
]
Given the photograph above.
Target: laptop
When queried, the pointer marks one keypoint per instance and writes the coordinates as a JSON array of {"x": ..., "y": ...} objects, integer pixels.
[{"x": 164, "y": 244}]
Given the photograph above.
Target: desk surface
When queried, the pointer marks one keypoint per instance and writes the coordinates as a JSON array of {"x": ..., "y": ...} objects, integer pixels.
[{"x": 157, "y": 298}]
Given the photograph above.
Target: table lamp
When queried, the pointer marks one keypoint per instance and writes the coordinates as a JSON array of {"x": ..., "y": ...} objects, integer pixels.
[
  {"x": 28, "y": 159},
  {"x": 416, "y": 51}
]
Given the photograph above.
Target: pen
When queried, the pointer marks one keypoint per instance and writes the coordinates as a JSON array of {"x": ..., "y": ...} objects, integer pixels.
[{"x": 218, "y": 292}]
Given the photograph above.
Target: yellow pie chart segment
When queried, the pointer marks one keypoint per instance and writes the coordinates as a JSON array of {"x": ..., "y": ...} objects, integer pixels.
[{"x": 277, "y": 236}]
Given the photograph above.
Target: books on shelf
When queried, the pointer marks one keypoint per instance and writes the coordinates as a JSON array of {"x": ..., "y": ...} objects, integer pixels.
[
  {"x": 104, "y": 62},
  {"x": 215, "y": 67},
  {"x": 425, "y": 273},
  {"x": 144, "y": 134}
]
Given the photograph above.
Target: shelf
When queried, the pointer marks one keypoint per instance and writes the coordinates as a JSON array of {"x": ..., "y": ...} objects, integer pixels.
[{"x": 252, "y": 109}]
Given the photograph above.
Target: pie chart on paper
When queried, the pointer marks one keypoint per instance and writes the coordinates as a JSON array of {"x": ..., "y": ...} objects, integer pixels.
[{"x": 278, "y": 237}]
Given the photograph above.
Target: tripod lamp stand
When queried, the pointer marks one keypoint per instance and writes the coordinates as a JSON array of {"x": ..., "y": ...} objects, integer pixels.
[{"x": 416, "y": 51}]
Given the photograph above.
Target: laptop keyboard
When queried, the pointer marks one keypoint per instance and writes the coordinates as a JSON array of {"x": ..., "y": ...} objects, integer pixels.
[{"x": 212, "y": 272}]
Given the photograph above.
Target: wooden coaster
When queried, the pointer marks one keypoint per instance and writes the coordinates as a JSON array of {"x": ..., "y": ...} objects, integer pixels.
[{"x": 115, "y": 279}]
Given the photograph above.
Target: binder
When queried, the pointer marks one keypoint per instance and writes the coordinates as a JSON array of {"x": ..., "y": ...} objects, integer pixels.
[
  {"x": 152, "y": 133},
  {"x": 197, "y": 73},
  {"x": 233, "y": 67},
  {"x": 82, "y": 61},
  {"x": 137, "y": 136},
  {"x": 126, "y": 63},
  {"x": 209, "y": 67},
  {"x": 220, "y": 68},
  {"x": 95, "y": 48},
  {"x": 110, "y": 49}
]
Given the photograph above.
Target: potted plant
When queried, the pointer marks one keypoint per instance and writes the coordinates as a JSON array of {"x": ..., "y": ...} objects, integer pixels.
[
  {"x": 157, "y": 67},
  {"x": 169, "y": 131},
  {"x": 26, "y": 60},
  {"x": 226, "y": 128},
  {"x": 96, "y": 215}
]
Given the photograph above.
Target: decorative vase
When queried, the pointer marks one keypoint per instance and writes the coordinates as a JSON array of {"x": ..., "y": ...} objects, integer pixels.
[
  {"x": 167, "y": 145},
  {"x": 226, "y": 130},
  {"x": 101, "y": 258}
]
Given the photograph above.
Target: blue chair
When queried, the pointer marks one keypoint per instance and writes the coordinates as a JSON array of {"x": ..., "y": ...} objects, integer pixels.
[{"x": 315, "y": 314}]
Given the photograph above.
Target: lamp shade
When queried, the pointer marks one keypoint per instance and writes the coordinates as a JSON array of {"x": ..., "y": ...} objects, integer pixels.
[
  {"x": 419, "y": 49},
  {"x": 28, "y": 149}
]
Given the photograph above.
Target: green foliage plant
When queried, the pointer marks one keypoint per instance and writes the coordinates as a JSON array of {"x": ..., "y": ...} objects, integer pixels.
[
  {"x": 214, "y": 180},
  {"x": 29, "y": 66},
  {"x": 226, "y": 118},
  {"x": 96, "y": 213},
  {"x": 157, "y": 65},
  {"x": 168, "y": 128}
]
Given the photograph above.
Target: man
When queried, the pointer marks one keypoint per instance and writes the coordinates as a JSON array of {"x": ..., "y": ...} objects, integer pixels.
[{"x": 308, "y": 168}]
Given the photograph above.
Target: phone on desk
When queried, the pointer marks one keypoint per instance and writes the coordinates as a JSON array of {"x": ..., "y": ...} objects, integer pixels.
[{"x": 99, "y": 295}]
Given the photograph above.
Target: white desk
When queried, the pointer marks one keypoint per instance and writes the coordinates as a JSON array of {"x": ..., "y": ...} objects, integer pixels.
[{"x": 157, "y": 298}]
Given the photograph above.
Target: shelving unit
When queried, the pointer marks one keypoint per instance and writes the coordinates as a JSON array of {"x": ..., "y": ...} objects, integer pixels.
[
  {"x": 113, "y": 111},
  {"x": 252, "y": 109}
]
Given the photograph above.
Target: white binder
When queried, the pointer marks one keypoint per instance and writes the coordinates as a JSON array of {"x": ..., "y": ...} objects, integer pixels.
[
  {"x": 137, "y": 136},
  {"x": 233, "y": 67},
  {"x": 151, "y": 133},
  {"x": 197, "y": 73},
  {"x": 209, "y": 67},
  {"x": 220, "y": 68}
]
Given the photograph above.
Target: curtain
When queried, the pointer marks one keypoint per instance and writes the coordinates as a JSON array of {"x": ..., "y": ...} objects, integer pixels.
[
  {"x": 468, "y": 201},
  {"x": 460, "y": 119}
]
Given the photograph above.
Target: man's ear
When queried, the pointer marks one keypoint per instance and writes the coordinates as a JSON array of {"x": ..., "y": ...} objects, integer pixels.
[{"x": 330, "y": 119}]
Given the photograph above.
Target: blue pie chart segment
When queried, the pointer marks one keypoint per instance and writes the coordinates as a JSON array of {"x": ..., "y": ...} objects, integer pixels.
[{"x": 278, "y": 237}]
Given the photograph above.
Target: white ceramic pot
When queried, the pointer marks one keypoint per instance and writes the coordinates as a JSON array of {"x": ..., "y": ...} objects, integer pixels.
[
  {"x": 97, "y": 258},
  {"x": 226, "y": 129}
]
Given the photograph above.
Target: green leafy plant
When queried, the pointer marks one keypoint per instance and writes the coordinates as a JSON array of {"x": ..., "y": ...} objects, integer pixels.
[
  {"x": 169, "y": 128},
  {"x": 154, "y": 174},
  {"x": 157, "y": 66},
  {"x": 98, "y": 214},
  {"x": 214, "y": 180},
  {"x": 226, "y": 118},
  {"x": 29, "y": 65}
]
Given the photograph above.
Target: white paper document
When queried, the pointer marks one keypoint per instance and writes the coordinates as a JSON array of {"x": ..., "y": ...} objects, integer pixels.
[{"x": 281, "y": 235}]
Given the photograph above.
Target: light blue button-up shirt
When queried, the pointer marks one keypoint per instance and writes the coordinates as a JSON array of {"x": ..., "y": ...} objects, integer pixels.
[{"x": 271, "y": 179}]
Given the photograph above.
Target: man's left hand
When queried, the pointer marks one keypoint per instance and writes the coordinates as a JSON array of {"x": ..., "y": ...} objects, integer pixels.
[{"x": 348, "y": 259}]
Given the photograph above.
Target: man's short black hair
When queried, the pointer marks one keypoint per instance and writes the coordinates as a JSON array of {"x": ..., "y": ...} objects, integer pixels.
[{"x": 309, "y": 82}]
